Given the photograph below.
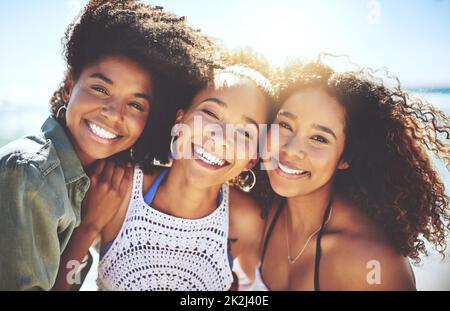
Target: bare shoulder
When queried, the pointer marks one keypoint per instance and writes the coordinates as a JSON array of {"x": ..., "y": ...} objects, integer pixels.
[
  {"x": 362, "y": 257},
  {"x": 246, "y": 222},
  {"x": 365, "y": 264},
  {"x": 244, "y": 210}
]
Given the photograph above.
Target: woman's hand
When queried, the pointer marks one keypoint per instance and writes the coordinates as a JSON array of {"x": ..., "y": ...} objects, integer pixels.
[{"x": 109, "y": 185}]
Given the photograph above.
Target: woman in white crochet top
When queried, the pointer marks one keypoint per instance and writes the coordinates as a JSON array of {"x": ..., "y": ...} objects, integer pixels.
[{"x": 180, "y": 228}]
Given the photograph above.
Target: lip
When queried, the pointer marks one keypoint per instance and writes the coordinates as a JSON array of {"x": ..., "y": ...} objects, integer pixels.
[
  {"x": 96, "y": 137},
  {"x": 204, "y": 164},
  {"x": 291, "y": 176}
]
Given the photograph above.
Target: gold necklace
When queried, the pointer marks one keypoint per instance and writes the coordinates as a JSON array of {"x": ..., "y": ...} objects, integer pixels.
[{"x": 293, "y": 260}]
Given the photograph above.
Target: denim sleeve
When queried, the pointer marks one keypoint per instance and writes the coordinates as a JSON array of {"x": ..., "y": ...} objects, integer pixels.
[{"x": 29, "y": 245}]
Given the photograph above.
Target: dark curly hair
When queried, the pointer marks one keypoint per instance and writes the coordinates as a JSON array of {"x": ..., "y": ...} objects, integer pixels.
[
  {"x": 388, "y": 134},
  {"x": 179, "y": 58},
  {"x": 260, "y": 72}
]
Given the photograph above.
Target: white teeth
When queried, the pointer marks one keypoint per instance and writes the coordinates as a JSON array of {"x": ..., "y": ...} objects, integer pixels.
[
  {"x": 208, "y": 157},
  {"x": 291, "y": 171},
  {"x": 97, "y": 130}
]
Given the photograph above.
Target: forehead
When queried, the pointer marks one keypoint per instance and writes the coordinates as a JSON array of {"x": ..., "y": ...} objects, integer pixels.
[
  {"x": 242, "y": 98},
  {"x": 316, "y": 106},
  {"x": 121, "y": 70}
]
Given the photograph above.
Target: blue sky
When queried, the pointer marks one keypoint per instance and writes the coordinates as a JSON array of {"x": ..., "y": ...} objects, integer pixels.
[{"x": 410, "y": 38}]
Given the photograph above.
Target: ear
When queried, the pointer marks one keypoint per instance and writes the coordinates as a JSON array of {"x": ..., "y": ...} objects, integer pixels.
[
  {"x": 179, "y": 115},
  {"x": 67, "y": 87}
]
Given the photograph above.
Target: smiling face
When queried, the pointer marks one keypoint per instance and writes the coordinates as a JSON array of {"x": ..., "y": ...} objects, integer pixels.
[
  {"x": 108, "y": 107},
  {"x": 225, "y": 142},
  {"x": 311, "y": 142}
]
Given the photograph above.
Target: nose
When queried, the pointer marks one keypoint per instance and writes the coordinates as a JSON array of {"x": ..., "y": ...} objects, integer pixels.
[
  {"x": 113, "y": 110},
  {"x": 215, "y": 138},
  {"x": 293, "y": 148}
]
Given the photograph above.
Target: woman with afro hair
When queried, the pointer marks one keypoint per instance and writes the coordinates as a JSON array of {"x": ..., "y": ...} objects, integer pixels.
[
  {"x": 130, "y": 67},
  {"x": 354, "y": 190}
]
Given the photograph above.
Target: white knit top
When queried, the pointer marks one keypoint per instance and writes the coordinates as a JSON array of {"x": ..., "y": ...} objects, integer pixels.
[{"x": 157, "y": 251}]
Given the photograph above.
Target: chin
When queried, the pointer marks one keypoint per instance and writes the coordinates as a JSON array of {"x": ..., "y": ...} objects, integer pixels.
[
  {"x": 283, "y": 189},
  {"x": 286, "y": 193}
]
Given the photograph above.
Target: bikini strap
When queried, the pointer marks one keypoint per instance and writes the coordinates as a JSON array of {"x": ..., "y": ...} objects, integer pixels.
[
  {"x": 150, "y": 195},
  {"x": 271, "y": 227},
  {"x": 318, "y": 248}
]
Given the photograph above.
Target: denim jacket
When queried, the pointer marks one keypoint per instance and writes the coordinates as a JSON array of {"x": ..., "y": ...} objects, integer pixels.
[{"x": 42, "y": 185}]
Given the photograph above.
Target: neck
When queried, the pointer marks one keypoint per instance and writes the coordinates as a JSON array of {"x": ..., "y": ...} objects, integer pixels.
[
  {"x": 306, "y": 212},
  {"x": 180, "y": 197},
  {"x": 85, "y": 160}
]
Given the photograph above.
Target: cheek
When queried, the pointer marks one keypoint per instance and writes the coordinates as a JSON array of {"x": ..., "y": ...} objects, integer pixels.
[
  {"x": 81, "y": 102},
  {"x": 244, "y": 149},
  {"x": 191, "y": 127},
  {"x": 324, "y": 160},
  {"x": 136, "y": 125},
  {"x": 273, "y": 143}
]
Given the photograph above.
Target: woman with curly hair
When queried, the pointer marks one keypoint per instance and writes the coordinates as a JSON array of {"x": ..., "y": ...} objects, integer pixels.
[
  {"x": 355, "y": 191},
  {"x": 125, "y": 60}
]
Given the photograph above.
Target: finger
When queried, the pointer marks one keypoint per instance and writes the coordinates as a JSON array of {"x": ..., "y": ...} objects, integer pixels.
[
  {"x": 118, "y": 174},
  {"x": 95, "y": 172},
  {"x": 107, "y": 173},
  {"x": 98, "y": 168}
]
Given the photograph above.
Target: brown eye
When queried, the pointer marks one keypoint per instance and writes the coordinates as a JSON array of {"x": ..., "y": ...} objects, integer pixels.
[
  {"x": 320, "y": 139},
  {"x": 99, "y": 89},
  {"x": 285, "y": 126},
  {"x": 210, "y": 113},
  {"x": 136, "y": 106}
]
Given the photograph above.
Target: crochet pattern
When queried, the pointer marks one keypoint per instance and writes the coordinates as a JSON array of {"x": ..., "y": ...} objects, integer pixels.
[{"x": 157, "y": 251}]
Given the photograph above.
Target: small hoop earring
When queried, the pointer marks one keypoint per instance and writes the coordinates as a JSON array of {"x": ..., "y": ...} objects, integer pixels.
[
  {"x": 246, "y": 180},
  {"x": 172, "y": 141},
  {"x": 59, "y": 111},
  {"x": 174, "y": 132}
]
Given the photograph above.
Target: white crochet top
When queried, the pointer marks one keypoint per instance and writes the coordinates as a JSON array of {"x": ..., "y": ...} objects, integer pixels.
[{"x": 157, "y": 251}]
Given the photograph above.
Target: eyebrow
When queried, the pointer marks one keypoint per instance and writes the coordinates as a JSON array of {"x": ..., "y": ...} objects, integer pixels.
[
  {"x": 250, "y": 120},
  {"x": 324, "y": 129},
  {"x": 225, "y": 105},
  {"x": 215, "y": 100},
  {"x": 101, "y": 77},
  {"x": 109, "y": 81},
  {"x": 319, "y": 127},
  {"x": 146, "y": 97},
  {"x": 287, "y": 114}
]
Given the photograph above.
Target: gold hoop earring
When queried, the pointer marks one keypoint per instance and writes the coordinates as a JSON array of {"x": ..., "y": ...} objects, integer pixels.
[
  {"x": 245, "y": 181},
  {"x": 59, "y": 111}
]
